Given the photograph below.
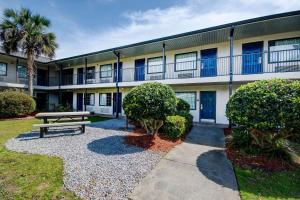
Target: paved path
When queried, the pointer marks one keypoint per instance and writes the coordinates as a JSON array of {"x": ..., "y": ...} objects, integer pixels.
[{"x": 196, "y": 169}]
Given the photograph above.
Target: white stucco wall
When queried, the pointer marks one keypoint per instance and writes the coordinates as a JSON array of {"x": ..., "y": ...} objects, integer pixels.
[
  {"x": 222, "y": 96},
  {"x": 222, "y": 66}
]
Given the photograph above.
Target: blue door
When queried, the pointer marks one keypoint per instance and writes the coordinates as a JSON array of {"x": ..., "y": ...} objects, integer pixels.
[
  {"x": 207, "y": 105},
  {"x": 79, "y": 101},
  {"x": 139, "y": 72},
  {"x": 117, "y": 104},
  {"x": 252, "y": 58},
  {"x": 80, "y": 76},
  {"x": 119, "y": 72},
  {"x": 208, "y": 62}
]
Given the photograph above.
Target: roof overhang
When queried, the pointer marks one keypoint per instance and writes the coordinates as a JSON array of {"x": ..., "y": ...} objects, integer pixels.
[{"x": 272, "y": 24}]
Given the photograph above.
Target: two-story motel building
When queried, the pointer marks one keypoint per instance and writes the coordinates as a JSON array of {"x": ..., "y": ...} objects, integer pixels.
[{"x": 203, "y": 67}]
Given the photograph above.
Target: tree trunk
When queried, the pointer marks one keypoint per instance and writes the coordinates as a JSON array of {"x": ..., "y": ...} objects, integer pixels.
[{"x": 30, "y": 61}]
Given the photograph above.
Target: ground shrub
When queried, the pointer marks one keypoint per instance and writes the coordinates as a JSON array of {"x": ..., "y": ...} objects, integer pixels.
[
  {"x": 241, "y": 138},
  {"x": 183, "y": 109},
  {"x": 188, "y": 120},
  {"x": 174, "y": 127},
  {"x": 150, "y": 104},
  {"x": 62, "y": 108},
  {"x": 268, "y": 110},
  {"x": 14, "y": 104}
]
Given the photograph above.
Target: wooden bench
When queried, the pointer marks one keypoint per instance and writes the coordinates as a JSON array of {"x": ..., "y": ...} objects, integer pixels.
[{"x": 44, "y": 127}]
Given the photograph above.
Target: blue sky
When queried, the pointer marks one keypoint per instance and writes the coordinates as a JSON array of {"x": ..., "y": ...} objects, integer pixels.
[{"x": 84, "y": 26}]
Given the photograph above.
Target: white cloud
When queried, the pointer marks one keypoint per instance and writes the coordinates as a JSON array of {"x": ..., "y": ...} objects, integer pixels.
[{"x": 157, "y": 22}]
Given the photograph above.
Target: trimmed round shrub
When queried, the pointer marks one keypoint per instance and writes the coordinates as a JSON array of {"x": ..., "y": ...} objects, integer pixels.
[
  {"x": 269, "y": 110},
  {"x": 174, "y": 127},
  {"x": 150, "y": 104},
  {"x": 14, "y": 103},
  {"x": 182, "y": 105}
]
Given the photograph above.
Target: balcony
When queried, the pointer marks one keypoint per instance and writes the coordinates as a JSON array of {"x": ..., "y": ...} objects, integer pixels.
[{"x": 246, "y": 64}]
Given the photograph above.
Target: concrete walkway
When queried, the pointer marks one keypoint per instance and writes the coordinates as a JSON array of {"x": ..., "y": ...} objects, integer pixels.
[{"x": 194, "y": 170}]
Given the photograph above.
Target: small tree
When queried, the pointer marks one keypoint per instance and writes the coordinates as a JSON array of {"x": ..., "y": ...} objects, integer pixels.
[
  {"x": 20, "y": 30},
  {"x": 150, "y": 104},
  {"x": 269, "y": 110}
]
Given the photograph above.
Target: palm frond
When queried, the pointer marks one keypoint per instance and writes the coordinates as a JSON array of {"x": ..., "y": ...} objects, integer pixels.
[
  {"x": 27, "y": 32},
  {"x": 9, "y": 13}
]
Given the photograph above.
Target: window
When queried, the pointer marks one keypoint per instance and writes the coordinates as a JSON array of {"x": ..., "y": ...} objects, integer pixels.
[
  {"x": 189, "y": 97},
  {"x": 90, "y": 72},
  {"x": 105, "y": 99},
  {"x": 3, "y": 69},
  {"x": 106, "y": 71},
  {"x": 284, "y": 50},
  {"x": 186, "y": 61},
  {"x": 155, "y": 65},
  {"x": 21, "y": 71},
  {"x": 90, "y": 99}
]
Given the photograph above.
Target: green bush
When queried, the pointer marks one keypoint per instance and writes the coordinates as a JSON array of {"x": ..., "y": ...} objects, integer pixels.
[
  {"x": 183, "y": 109},
  {"x": 241, "y": 138},
  {"x": 182, "y": 105},
  {"x": 14, "y": 104},
  {"x": 62, "y": 108},
  {"x": 150, "y": 104},
  {"x": 188, "y": 119},
  {"x": 174, "y": 127},
  {"x": 269, "y": 111}
]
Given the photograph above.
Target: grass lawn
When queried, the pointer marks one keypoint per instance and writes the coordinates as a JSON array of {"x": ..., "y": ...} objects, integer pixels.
[
  {"x": 27, "y": 176},
  {"x": 255, "y": 184},
  {"x": 97, "y": 118}
]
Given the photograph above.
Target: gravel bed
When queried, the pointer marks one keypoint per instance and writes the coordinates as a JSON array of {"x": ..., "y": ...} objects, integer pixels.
[{"x": 97, "y": 165}]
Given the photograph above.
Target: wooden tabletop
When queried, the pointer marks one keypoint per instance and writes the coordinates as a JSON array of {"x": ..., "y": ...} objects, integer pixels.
[{"x": 61, "y": 114}]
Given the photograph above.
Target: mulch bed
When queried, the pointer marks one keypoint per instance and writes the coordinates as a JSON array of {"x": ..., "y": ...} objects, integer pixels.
[
  {"x": 31, "y": 116},
  {"x": 154, "y": 143},
  {"x": 263, "y": 162},
  {"x": 244, "y": 160}
]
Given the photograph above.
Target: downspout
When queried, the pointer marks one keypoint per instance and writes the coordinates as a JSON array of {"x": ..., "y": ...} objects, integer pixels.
[
  {"x": 164, "y": 60},
  {"x": 231, "y": 65},
  {"x": 84, "y": 98},
  {"x": 231, "y": 60},
  {"x": 117, "y": 54},
  {"x": 48, "y": 81},
  {"x": 59, "y": 85},
  {"x": 48, "y": 93},
  {"x": 17, "y": 63}
]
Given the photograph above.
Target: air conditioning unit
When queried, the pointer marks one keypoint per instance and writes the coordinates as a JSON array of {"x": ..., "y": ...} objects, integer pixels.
[
  {"x": 2, "y": 79},
  {"x": 291, "y": 68},
  {"x": 156, "y": 77},
  {"x": 104, "y": 81},
  {"x": 22, "y": 81},
  {"x": 186, "y": 75},
  {"x": 90, "y": 81}
]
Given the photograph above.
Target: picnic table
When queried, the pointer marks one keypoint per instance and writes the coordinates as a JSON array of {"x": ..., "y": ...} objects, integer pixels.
[{"x": 61, "y": 119}]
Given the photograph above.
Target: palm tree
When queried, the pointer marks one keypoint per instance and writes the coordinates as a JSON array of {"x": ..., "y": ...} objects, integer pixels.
[{"x": 23, "y": 31}]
